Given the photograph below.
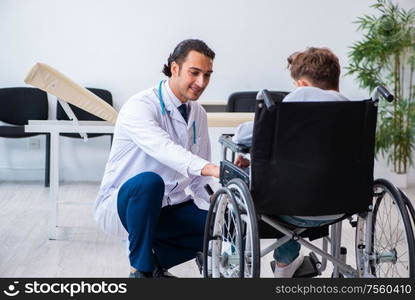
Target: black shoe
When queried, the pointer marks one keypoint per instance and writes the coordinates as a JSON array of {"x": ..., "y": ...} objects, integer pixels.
[
  {"x": 162, "y": 273},
  {"x": 159, "y": 271},
  {"x": 139, "y": 274}
]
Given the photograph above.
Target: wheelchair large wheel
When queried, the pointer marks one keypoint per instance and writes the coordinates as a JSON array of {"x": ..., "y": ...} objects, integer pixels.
[
  {"x": 384, "y": 239},
  {"x": 222, "y": 249},
  {"x": 249, "y": 227},
  {"x": 231, "y": 247}
]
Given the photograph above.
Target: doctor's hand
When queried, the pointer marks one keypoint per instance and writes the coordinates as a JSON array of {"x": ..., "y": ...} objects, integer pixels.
[
  {"x": 242, "y": 162},
  {"x": 211, "y": 170}
]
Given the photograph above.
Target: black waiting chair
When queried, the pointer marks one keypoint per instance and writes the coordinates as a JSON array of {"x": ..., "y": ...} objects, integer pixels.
[
  {"x": 246, "y": 101},
  {"x": 82, "y": 115},
  {"x": 18, "y": 105}
]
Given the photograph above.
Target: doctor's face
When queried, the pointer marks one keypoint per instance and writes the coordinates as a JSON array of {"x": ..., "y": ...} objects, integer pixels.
[{"x": 191, "y": 78}]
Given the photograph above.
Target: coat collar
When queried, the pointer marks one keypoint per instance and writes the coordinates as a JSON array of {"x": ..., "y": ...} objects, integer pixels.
[{"x": 171, "y": 103}]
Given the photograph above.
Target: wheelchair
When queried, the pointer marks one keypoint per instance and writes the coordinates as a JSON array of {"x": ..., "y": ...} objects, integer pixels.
[{"x": 309, "y": 159}]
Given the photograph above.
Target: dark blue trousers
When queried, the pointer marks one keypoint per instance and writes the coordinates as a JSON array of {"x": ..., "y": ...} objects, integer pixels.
[{"x": 175, "y": 233}]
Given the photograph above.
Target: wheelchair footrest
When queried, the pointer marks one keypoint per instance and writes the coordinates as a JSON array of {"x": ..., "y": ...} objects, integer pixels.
[{"x": 309, "y": 267}]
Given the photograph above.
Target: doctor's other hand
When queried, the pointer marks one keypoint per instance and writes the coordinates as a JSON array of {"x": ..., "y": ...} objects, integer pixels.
[
  {"x": 211, "y": 170},
  {"x": 242, "y": 162}
]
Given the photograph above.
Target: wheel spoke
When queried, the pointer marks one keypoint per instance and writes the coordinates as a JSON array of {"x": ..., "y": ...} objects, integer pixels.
[
  {"x": 402, "y": 255},
  {"x": 383, "y": 234}
]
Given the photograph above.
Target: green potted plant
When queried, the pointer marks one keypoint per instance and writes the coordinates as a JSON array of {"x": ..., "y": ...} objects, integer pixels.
[{"x": 386, "y": 55}]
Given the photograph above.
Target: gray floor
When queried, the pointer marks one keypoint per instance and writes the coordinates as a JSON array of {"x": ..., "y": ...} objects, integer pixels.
[{"x": 82, "y": 250}]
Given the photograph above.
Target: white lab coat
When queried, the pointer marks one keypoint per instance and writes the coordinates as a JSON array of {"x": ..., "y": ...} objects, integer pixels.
[{"x": 146, "y": 140}]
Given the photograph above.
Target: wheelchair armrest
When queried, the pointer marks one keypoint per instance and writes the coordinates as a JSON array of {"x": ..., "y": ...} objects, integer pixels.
[
  {"x": 226, "y": 141},
  {"x": 229, "y": 171}
]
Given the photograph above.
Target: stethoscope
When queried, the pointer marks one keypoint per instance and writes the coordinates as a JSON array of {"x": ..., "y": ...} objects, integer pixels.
[{"x": 195, "y": 146}]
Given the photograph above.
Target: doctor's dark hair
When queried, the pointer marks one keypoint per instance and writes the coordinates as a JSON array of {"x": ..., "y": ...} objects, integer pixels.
[
  {"x": 318, "y": 65},
  {"x": 182, "y": 50}
]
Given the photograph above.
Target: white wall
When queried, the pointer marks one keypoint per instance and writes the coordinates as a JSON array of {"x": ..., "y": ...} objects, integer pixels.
[{"x": 121, "y": 46}]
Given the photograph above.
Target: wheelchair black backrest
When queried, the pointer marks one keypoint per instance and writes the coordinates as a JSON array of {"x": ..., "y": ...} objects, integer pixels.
[{"x": 313, "y": 158}]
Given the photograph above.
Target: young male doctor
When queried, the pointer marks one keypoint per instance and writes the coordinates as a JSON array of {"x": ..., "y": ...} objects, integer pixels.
[{"x": 161, "y": 147}]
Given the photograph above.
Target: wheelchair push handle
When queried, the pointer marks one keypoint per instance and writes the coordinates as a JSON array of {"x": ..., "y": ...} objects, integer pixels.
[
  {"x": 381, "y": 90},
  {"x": 266, "y": 96}
]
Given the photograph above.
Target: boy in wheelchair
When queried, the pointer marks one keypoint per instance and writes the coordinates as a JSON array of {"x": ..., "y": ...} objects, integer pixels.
[
  {"x": 316, "y": 73},
  {"x": 311, "y": 166}
]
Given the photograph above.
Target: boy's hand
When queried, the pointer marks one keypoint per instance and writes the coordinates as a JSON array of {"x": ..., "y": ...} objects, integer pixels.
[{"x": 242, "y": 162}]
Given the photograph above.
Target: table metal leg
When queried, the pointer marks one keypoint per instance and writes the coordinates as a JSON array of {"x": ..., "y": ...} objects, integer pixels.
[{"x": 54, "y": 186}]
